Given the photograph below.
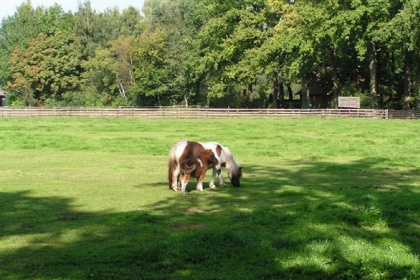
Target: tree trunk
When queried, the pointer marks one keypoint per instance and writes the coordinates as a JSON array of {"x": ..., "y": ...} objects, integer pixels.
[
  {"x": 250, "y": 90},
  {"x": 275, "y": 91},
  {"x": 334, "y": 75},
  {"x": 373, "y": 67},
  {"x": 304, "y": 96},
  {"x": 281, "y": 95},
  {"x": 250, "y": 95},
  {"x": 416, "y": 87},
  {"x": 131, "y": 73},
  {"x": 289, "y": 90},
  {"x": 407, "y": 82},
  {"x": 121, "y": 88}
]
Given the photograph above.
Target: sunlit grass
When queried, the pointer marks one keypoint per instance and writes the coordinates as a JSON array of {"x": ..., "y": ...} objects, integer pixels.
[{"x": 320, "y": 198}]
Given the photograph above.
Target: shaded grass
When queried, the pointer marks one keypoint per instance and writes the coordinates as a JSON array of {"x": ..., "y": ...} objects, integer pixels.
[{"x": 320, "y": 198}]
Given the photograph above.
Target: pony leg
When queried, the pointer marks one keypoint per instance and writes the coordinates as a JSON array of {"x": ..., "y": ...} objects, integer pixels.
[
  {"x": 219, "y": 174},
  {"x": 211, "y": 184},
  {"x": 184, "y": 182},
  {"x": 200, "y": 186},
  {"x": 200, "y": 182},
  {"x": 175, "y": 179}
]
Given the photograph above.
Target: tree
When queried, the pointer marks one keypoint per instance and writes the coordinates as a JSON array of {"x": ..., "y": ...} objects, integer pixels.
[
  {"x": 228, "y": 40},
  {"x": 216, "y": 53},
  {"x": 294, "y": 49},
  {"x": 402, "y": 35},
  {"x": 110, "y": 72},
  {"x": 123, "y": 50},
  {"x": 150, "y": 69},
  {"x": 100, "y": 76},
  {"x": 180, "y": 20},
  {"x": 130, "y": 23},
  {"x": 54, "y": 19},
  {"x": 16, "y": 32},
  {"x": 49, "y": 67},
  {"x": 87, "y": 29}
]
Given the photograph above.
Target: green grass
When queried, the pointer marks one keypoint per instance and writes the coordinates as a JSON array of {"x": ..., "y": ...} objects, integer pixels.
[{"x": 320, "y": 198}]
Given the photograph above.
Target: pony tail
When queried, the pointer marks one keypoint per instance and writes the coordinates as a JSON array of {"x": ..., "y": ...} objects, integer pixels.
[
  {"x": 187, "y": 169},
  {"x": 171, "y": 166}
]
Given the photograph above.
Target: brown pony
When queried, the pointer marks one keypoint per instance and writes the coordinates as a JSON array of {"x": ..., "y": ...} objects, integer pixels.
[
  {"x": 197, "y": 168},
  {"x": 184, "y": 150}
]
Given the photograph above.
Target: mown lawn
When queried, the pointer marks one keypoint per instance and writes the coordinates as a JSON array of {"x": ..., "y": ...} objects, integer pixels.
[{"x": 320, "y": 199}]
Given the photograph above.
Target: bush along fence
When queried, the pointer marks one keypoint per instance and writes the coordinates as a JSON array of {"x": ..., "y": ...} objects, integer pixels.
[{"x": 193, "y": 113}]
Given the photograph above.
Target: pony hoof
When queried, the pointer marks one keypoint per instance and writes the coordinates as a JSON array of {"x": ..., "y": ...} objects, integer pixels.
[
  {"x": 174, "y": 189},
  {"x": 184, "y": 193},
  {"x": 213, "y": 187},
  {"x": 223, "y": 185}
]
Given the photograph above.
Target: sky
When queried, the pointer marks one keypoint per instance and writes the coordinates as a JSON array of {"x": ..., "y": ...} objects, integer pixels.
[{"x": 8, "y": 7}]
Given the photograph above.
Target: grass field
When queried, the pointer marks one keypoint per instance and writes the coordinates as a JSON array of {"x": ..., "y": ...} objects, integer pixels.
[{"x": 320, "y": 199}]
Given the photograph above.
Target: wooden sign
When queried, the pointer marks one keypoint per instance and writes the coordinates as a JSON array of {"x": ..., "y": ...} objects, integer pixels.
[{"x": 349, "y": 102}]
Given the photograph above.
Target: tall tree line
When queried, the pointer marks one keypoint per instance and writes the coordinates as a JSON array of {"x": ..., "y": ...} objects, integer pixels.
[{"x": 259, "y": 53}]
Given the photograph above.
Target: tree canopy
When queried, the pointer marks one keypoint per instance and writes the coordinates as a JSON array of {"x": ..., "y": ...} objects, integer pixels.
[{"x": 264, "y": 53}]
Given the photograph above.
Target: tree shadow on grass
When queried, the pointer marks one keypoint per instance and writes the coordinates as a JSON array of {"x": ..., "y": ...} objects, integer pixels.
[
  {"x": 375, "y": 208},
  {"x": 312, "y": 220},
  {"x": 373, "y": 194}
]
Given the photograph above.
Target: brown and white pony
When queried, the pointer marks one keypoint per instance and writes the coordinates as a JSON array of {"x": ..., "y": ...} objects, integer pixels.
[
  {"x": 192, "y": 150},
  {"x": 196, "y": 167}
]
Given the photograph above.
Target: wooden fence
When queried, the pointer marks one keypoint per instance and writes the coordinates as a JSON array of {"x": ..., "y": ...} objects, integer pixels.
[
  {"x": 404, "y": 114},
  {"x": 194, "y": 113}
]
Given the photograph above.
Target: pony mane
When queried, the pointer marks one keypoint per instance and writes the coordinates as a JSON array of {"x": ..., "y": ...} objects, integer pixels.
[{"x": 231, "y": 163}]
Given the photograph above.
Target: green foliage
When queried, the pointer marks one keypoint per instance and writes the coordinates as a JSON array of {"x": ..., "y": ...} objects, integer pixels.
[
  {"x": 101, "y": 75},
  {"x": 218, "y": 53},
  {"x": 150, "y": 68},
  {"x": 321, "y": 198},
  {"x": 49, "y": 67},
  {"x": 54, "y": 20},
  {"x": 16, "y": 33}
]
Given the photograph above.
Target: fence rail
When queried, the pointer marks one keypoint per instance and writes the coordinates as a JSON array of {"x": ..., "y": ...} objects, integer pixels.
[
  {"x": 193, "y": 113},
  {"x": 404, "y": 114}
]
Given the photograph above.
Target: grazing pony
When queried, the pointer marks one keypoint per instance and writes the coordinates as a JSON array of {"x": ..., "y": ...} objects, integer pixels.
[
  {"x": 192, "y": 150},
  {"x": 196, "y": 167}
]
